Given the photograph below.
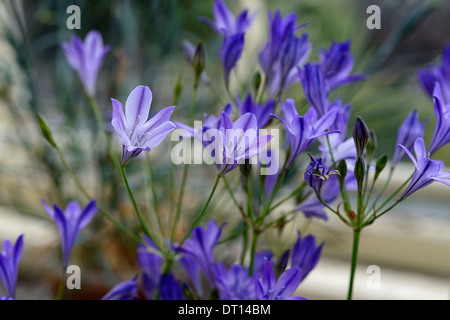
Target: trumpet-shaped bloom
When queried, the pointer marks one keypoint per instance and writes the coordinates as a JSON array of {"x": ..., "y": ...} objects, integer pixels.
[
  {"x": 9, "y": 264},
  {"x": 233, "y": 30},
  {"x": 337, "y": 64},
  {"x": 139, "y": 133},
  {"x": 86, "y": 58},
  {"x": 315, "y": 87},
  {"x": 269, "y": 288},
  {"x": 300, "y": 131},
  {"x": 306, "y": 254},
  {"x": 427, "y": 170},
  {"x": 262, "y": 112},
  {"x": 70, "y": 222},
  {"x": 283, "y": 53},
  {"x": 127, "y": 290},
  {"x": 441, "y": 134},
  {"x": 409, "y": 131},
  {"x": 440, "y": 74},
  {"x": 316, "y": 174}
]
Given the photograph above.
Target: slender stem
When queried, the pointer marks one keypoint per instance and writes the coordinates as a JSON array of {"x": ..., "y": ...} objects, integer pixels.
[
  {"x": 394, "y": 194},
  {"x": 144, "y": 226},
  {"x": 334, "y": 211},
  {"x": 200, "y": 215},
  {"x": 155, "y": 196},
  {"x": 356, "y": 234},
  {"x": 388, "y": 180},
  {"x": 293, "y": 193},
  {"x": 62, "y": 284},
  {"x": 250, "y": 210},
  {"x": 233, "y": 198},
  {"x": 253, "y": 251}
]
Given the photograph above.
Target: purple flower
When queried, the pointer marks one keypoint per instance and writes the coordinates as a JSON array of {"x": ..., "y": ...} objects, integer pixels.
[
  {"x": 234, "y": 283},
  {"x": 169, "y": 288},
  {"x": 300, "y": 131},
  {"x": 315, "y": 87},
  {"x": 317, "y": 173},
  {"x": 409, "y": 131},
  {"x": 189, "y": 53},
  {"x": 441, "y": 134},
  {"x": 283, "y": 53},
  {"x": 440, "y": 74},
  {"x": 9, "y": 265},
  {"x": 86, "y": 58},
  {"x": 337, "y": 64},
  {"x": 139, "y": 134},
  {"x": 238, "y": 141},
  {"x": 150, "y": 263},
  {"x": 269, "y": 288},
  {"x": 127, "y": 290},
  {"x": 2, "y": 298},
  {"x": 306, "y": 254},
  {"x": 70, "y": 222},
  {"x": 262, "y": 112},
  {"x": 427, "y": 170},
  {"x": 313, "y": 208},
  {"x": 200, "y": 246},
  {"x": 233, "y": 30}
]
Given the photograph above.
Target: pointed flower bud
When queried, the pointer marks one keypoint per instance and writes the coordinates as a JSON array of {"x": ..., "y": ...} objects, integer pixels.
[{"x": 361, "y": 135}]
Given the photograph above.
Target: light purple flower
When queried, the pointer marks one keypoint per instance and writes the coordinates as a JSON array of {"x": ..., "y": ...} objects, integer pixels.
[
  {"x": 337, "y": 64},
  {"x": 306, "y": 253},
  {"x": 317, "y": 174},
  {"x": 270, "y": 288},
  {"x": 440, "y": 74},
  {"x": 301, "y": 132},
  {"x": 86, "y": 58},
  {"x": 283, "y": 53},
  {"x": 233, "y": 30},
  {"x": 139, "y": 133},
  {"x": 70, "y": 222},
  {"x": 409, "y": 131},
  {"x": 262, "y": 112},
  {"x": 441, "y": 134},
  {"x": 127, "y": 290},
  {"x": 9, "y": 265},
  {"x": 427, "y": 170},
  {"x": 234, "y": 283}
]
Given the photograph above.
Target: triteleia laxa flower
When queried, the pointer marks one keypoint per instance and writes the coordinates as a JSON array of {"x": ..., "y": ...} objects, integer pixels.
[
  {"x": 262, "y": 112},
  {"x": 306, "y": 254},
  {"x": 337, "y": 64},
  {"x": 139, "y": 133},
  {"x": 301, "y": 132},
  {"x": 317, "y": 173},
  {"x": 233, "y": 30},
  {"x": 234, "y": 283},
  {"x": 270, "y": 288},
  {"x": 70, "y": 222},
  {"x": 441, "y": 134},
  {"x": 409, "y": 131},
  {"x": 315, "y": 87},
  {"x": 440, "y": 74},
  {"x": 427, "y": 170},
  {"x": 9, "y": 264},
  {"x": 127, "y": 290},
  {"x": 86, "y": 58},
  {"x": 283, "y": 53}
]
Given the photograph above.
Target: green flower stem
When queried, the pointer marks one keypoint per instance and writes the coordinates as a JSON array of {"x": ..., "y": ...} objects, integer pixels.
[
  {"x": 201, "y": 214},
  {"x": 394, "y": 194},
  {"x": 143, "y": 223},
  {"x": 233, "y": 198},
  {"x": 88, "y": 197},
  {"x": 253, "y": 251},
  {"x": 293, "y": 193},
  {"x": 154, "y": 195},
  {"x": 356, "y": 234},
  {"x": 62, "y": 284},
  {"x": 388, "y": 180}
]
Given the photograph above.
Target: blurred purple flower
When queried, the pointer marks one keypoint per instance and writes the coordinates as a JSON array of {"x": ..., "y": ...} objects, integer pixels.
[
  {"x": 262, "y": 112},
  {"x": 337, "y": 64},
  {"x": 170, "y": 289},
  {"x": 427, "y": 170},
  {"x": 283, "y": 53},
  {"x": 315, "y": 87},
  {"x": 306, "y": 254},
  {"x": 234, "y": 283},
  {"x": 70, "y": 222},
  {"x": 441, "y": 134},
  {"x": 2, "y": 298},
  {"x": 9, "y": 265},
  {"x": 409, "y": 131},
  {"x": 233, "y": 30},
  {"x": 139, "y": 134},
  {"x": 86, "y": 58},
  {"x": 150, "y": 263},
  {"x": 127, "y": 290},
  {"x": 269, "y": 288},
  {"x": 300, "y": 131},
  {"x": 440, "y": 74}
]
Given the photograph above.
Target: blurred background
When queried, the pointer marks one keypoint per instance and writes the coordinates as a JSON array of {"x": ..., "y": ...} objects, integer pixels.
[{"x": 411, "y": 245}]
